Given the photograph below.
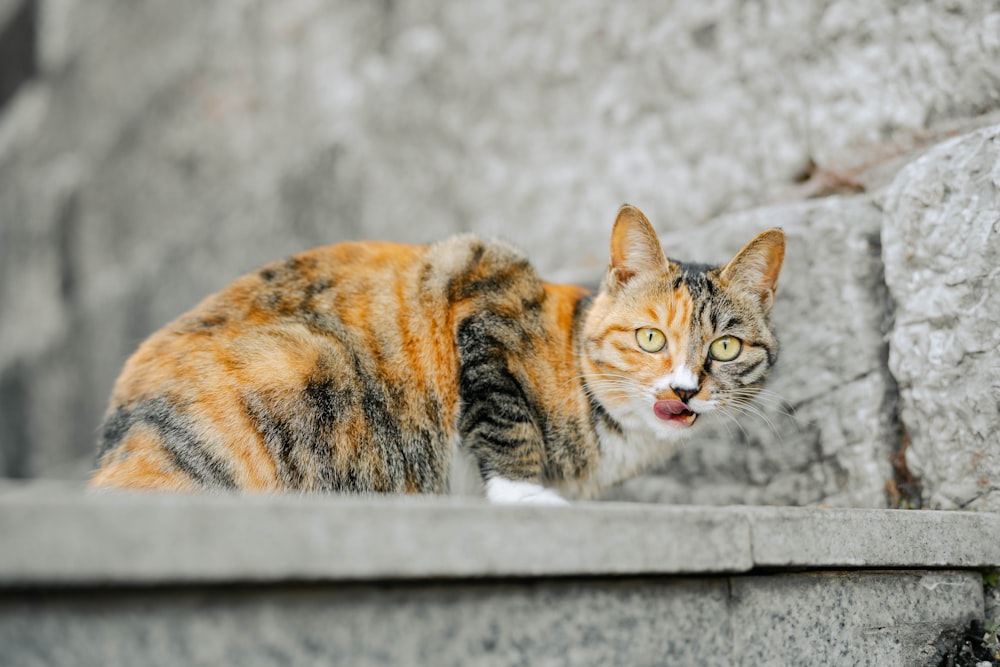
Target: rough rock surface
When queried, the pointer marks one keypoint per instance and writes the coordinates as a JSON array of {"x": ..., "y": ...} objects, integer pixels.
[
  {"x": 823, "y": 430},
  {"x": 164, "y": 148},
  {"x": 942, "y": 252}
]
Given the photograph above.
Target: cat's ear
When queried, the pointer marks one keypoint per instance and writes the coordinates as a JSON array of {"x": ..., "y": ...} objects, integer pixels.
[
  {"x": 635, "y": 248},
  {"x": 755, "y": 268}
]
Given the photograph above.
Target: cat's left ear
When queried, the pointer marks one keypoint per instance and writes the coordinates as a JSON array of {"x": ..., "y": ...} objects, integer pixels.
[
  {"x": 755, "y": 268},
  {"x": 635, "y": 248}
]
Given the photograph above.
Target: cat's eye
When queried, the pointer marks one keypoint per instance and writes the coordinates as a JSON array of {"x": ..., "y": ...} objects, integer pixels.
[
  {"x": 725, "y": 348},
  {"x": 650, "y": 339}
]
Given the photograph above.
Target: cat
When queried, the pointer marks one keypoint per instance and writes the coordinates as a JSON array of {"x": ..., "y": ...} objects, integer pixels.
[{"x": 373, "y": 367}]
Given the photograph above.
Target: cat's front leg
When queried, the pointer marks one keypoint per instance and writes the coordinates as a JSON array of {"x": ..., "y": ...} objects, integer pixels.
[
  {"x": 502, "y": 491},
  {"x": 498, "y": 423}
]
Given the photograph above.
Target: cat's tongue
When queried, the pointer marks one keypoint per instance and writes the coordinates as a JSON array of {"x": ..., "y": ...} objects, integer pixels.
[{"x": 675, "y": 412}]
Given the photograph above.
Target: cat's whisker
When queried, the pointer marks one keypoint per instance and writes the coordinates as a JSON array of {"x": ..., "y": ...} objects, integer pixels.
[
  {"x": 766, "y": 396},
  {"x": 724, "y": 413},
  {"x": 747, "y": 408},
  {"x": 725, "y": 425},
  {"x": 764, "y": 403}
]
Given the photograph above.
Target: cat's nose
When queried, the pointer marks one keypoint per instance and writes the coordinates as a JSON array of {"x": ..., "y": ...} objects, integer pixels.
[{"x": 684, "y": 394}]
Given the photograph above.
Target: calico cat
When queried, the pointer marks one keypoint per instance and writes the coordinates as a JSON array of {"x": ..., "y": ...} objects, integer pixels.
[{"x": 375, "y": 367}]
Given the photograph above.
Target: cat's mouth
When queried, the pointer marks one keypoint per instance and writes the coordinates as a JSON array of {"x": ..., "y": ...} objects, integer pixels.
[{"x": 674, "y": 412}]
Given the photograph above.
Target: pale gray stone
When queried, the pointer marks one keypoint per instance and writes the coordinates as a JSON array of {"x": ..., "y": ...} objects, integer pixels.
[
  {"x": 192, "y": 142},
  {"x": 55, "y": 535},
  {"x": 542, "y": 622},
  {"x": 107, "y": 538},
  {"x": 880, "y": 619},
  {"x": 817, "y": 538},
  {"x": 942, "y": 253},
  {"x": 852, "y": 618},
  {"x": 121, "y": 579}
]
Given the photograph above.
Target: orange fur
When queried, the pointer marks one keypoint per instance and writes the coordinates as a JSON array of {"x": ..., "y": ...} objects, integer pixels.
[{"x": 358, "y": 366}]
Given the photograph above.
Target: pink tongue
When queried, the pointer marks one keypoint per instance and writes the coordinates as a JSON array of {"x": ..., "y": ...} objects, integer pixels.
[{"x": 668, "y": 409}]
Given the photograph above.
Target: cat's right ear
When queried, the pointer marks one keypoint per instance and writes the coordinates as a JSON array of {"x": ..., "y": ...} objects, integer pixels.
[{"x": 635, "y": 248}]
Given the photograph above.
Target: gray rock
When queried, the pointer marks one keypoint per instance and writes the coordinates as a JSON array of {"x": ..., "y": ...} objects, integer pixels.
[
  {"x": 192, "y": 142},
  {"x": 125, "y": 579},
  {"x": 882, "y": 619},
  {"x": 823, "y": 430},
  {"x": 942, "y": 255}
]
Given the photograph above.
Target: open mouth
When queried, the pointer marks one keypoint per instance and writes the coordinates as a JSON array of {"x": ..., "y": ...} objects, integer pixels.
[{"x": 675, "y": 412}]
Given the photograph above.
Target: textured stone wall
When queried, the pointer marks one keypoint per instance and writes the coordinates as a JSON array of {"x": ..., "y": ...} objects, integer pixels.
[
  {"x": 942, "y": 246},
  {"x": 160, "y": 149}
]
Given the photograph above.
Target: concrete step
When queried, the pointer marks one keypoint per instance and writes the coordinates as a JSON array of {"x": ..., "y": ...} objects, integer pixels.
[{"x": 89, "y": 579}]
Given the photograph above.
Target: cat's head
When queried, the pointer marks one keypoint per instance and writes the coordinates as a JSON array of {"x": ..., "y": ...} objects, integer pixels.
[{"x": 667, "y": 342}]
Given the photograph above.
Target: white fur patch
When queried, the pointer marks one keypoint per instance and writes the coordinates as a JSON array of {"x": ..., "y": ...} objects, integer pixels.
[
  {"x": 501, "y": 491},
  {"x": 680, "y": 378},
  {"x": 624, "y": 457}
]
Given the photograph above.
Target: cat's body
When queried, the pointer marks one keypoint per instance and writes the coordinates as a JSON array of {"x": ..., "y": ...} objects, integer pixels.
[{"x": 385, "y": 368}]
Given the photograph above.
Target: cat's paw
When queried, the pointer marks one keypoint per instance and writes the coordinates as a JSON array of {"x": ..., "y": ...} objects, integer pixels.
[{"x": 501, "y": 491}]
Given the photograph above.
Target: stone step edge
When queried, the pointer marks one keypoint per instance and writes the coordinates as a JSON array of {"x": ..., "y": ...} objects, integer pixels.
[{"x": 71, "y": 537}]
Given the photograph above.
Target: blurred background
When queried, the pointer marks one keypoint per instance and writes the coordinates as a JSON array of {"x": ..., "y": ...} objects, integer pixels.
[{"x": 152, "y": 151}]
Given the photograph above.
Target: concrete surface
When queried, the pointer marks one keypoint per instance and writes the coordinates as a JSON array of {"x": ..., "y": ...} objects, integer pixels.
[
  {"x": 71, "y": 537},
  {"x": 156, "y": 580},
  {"x": 861, "y": 618}
]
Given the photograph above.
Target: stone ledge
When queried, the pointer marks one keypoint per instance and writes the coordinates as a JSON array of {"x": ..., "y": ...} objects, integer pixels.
[
  {"x": 878, "y": 618},
  {"x": 60, "y": 536}
]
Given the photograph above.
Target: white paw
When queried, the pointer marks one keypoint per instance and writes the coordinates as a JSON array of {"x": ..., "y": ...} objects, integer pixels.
[{"x": 501, "y": 491}]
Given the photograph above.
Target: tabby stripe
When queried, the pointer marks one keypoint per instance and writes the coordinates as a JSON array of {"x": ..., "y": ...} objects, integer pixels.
[
  {"x": 753, "y": 371},
  {"x": 771, "y": 353},
  {"x": 278, "y": 438},
  {"x": 700, "y": 319},
  {"x": 493, "y": 398},
  {"x": 580, "y": 310},
  {"x": 599, "y": 415},
  {"x": 187, "y": 451},
  {"x": 496, "y": 281},
  {"x": 494, "y": 405}
]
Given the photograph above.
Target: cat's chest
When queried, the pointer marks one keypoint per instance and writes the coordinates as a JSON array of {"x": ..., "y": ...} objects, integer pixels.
[{"x": 624, "y": 454}]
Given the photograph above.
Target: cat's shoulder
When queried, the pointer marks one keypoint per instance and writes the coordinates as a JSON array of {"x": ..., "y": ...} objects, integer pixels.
[
  {"x": 470, "y": 252},
  {"x": 466, "y": 264}
]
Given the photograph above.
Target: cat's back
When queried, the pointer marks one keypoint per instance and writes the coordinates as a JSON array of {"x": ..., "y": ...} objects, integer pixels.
[{"x": 309, "y": 372}]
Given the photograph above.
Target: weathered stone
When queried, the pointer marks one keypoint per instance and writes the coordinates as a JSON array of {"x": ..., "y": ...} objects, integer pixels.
[
  {"x": 56, "y": 535},
  {"x": 856, "y": 618},
  {"x": 835, "y": 537},
  {"x": 942, "y": 263},
  {"x": 824, "y": 428},
  {"x": 74, "y": 538},
  {"x": 193, "y": 142},
  {"x": 124, "y": 579},
  {"x": 879, "y": 619},
  {"x": 18, "y": 55}
]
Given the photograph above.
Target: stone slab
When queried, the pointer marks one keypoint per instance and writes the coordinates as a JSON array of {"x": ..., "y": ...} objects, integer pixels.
[
  {"x": 941, "y": 243},
  {"x": 851, "y": 618},
  {"x": 68, "y": 537},
  {"x": 825, "y": 538},
  {"x": 86, "y": 538},
  {"x": 866, "y": 618}
]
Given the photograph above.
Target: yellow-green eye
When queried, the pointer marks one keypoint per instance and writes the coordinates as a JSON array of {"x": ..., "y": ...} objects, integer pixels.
[
  {"x": 649, "y": 339},
  {"x": 726, "y": 348}
]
